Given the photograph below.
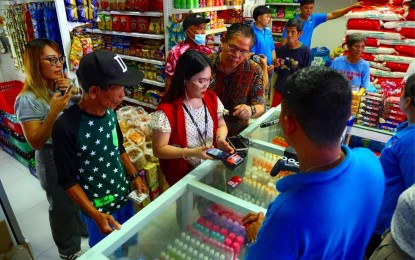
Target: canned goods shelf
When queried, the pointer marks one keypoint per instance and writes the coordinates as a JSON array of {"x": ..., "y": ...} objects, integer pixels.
[
  {"x": 135, "y": 101},
  {"x": 152, "y": 61},
  {"x": 149, "y": 14},
  {"x": 206, "y": 9},
  {"x": 131, "y": 34}
]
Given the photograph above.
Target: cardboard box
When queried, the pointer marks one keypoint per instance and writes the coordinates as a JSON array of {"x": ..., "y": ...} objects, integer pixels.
[{"x": 151, "y": 174}]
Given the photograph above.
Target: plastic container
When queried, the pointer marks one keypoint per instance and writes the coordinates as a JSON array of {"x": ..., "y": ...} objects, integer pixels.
[
  {"x": 136, "y": 156},
  {"x": 8, "y": 93},
  {"x": 320, "y": 56},
  {"x": 137, "y": 137}
]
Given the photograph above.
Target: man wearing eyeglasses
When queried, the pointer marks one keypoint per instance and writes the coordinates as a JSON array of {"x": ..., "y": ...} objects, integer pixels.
[
  {"x": 237, "y": 80},
  {"x": 194, "y": 25}
]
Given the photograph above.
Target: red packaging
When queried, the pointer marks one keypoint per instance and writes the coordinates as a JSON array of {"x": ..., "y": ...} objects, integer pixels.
[
  {"x": 363, "y": 24},
  {"x": 129, "y": 4},
  {"x": 133, "y": 24},
  {"x": 142, "y": 5},
  {"x": 405, "y": 50},
  {"x": 367, "y": 118},
  {"x": 154, "y": 193},
  {"x": 375, "y": 2},
  {"x": 125, "y": 23},
  {"x": 411, "y": 15},
  {"x": 397, "y": 66},
  {"x": 156, "y": 5},
  {"x": 368, "y": 107},
  {"x": 368, "y": 57},
  {"x": 398, "y": 2},
  {"x": 366, "y": 123},
  {"x": 143, "y": 24},
  {"x": 368, "y": 113},
  {"x": 116, "y": 22},
  {"x": 392, "y": 110},
  {"x": 392, "y": 106},
  {"x": 408, "y": 32},
  {"x": 390, "y": 116},
  {"x": 372, "y": 42},
  {"x": 372, "y": 102}
]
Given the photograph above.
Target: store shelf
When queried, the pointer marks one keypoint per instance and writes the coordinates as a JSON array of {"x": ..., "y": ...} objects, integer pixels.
[
  {"x": 217, "y": 30},
  {"x": 286, "y": 4},
  {"x": 152, "y": 61},
  {"x": 278, "y": 34},
  {"x": 205, "y": 9},
  {"x": 370, "y": 133},
  {"x": 73, "y": 25},
  {"x": 152, "y": 82},
  {"x": 135, "y": 101},
  {"x": 135, "y": 13},
  {"x": 130, "y": 34}
]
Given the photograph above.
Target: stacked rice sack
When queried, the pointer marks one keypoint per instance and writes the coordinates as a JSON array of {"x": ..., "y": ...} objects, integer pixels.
[{"x": 389, "y": 28}]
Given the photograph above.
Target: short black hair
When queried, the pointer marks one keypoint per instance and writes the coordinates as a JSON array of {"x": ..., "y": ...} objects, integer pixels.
[
  {"x": 241, "y": 29},
  {"x": 294, "y": 22},
  {"x": 189, "y": 64},
  {"x": 409, "y": 90},
  {"x": 306, "y": 2},
  {"x": 260, "y": 10},
  {"x": 320, "y": 99}
]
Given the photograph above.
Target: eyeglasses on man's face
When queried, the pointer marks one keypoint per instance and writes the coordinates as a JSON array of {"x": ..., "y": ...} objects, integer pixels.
[
  {"x": 54, "y": 60},
  {"x": 235, "y": 51}
]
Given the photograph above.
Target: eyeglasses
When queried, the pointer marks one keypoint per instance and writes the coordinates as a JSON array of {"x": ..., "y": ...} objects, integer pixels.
[
  {"x": 202, "y": 83},
  {"x": 54, "y": 60},
  {"x": 236, "y": 51}
]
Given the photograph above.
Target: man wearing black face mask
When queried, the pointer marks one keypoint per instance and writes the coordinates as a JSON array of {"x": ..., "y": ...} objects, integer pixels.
[{"x": 194, "y": 26}]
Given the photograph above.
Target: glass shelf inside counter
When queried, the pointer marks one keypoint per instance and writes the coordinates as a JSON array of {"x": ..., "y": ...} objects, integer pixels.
[
  {"x": 189, "y": 226},
  {"x": 271, "y": 134},
  {"x": 250, "y": 182}
]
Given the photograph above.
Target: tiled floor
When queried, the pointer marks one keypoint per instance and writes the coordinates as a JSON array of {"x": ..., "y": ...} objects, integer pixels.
[{"x": 30, "y": 207}]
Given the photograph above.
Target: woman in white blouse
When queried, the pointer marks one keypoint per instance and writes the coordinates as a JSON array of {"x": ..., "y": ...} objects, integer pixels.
[{"x": 189, "y": 120}]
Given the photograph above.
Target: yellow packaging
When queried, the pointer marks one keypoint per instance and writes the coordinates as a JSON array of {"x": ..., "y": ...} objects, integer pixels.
[{"x": 151, "y": 174}]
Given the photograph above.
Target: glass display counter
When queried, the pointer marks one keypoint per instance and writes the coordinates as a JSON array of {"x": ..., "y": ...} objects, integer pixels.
[{"x": 200, "y": 216}]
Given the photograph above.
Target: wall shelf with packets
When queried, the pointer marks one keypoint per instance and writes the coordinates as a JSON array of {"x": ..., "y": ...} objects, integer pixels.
[
  {"x": 205, "y": 9},
  {"x": 130, "y": 34},
  {"x": 135, "y": 13}
]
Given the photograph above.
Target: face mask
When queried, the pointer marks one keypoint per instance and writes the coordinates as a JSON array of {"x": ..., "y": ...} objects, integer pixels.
[{"x": 200, "y": 39}]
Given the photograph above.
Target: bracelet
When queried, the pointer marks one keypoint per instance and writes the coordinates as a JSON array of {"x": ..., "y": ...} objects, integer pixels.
[
  {"x": 253, "y": 111},
  {"x": 135, "y": 175},
  {"x": 184, "y": 157}
]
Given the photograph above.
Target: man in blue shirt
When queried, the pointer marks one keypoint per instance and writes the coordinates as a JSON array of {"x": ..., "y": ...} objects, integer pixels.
[
  {"x": 311, "y": 21},
  {"x": 328, "y": 210},
  {"x": 264, "y": 43}
]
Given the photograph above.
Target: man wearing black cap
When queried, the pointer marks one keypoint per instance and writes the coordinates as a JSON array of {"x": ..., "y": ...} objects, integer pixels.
[
  {"x": 93, "y": 167},
  {"x": 194, "y": 27}
]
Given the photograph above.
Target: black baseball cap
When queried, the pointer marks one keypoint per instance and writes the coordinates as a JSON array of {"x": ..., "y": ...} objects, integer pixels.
[
  {"x": 194, "y": 19},
  {"x": 104, "y": 68}
]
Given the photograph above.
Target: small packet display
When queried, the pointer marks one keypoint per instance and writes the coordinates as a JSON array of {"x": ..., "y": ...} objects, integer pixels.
[
  {"x": 113, "y": 5},
  {"x": 87, "y": 45},
  {"x": 143, "y": 24},
  {"x": 71, "y": 13},
  {"x": 116, "y": 22},
  {"x": 82, "y": 13},
  {"x": 81, "y": 2},
  {"x": 76, "y": 53},
  {"x": 101, "y": 22},
  {"x": 136, "y": 156},
  {"x": 125, "y": 23},
  {"x": 121, "y": 5},
  {"x": 155, "y": 26},
  {"x": 108, "y": 22}
]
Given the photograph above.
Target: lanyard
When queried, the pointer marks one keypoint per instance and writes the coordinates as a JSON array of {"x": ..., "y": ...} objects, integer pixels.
[{"x": 194, "y": 122}]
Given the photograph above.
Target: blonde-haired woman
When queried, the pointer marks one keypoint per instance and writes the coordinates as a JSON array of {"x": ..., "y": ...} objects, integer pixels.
[{"x": 37, "y": 107}]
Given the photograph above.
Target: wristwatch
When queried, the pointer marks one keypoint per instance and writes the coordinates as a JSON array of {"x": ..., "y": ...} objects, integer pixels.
[
  {"x": 253, "y": 111},
  {"x": 137, "y": 174}
]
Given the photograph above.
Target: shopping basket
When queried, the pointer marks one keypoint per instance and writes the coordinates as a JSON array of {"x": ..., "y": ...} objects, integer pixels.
[{"x": 8, "y": 93}]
